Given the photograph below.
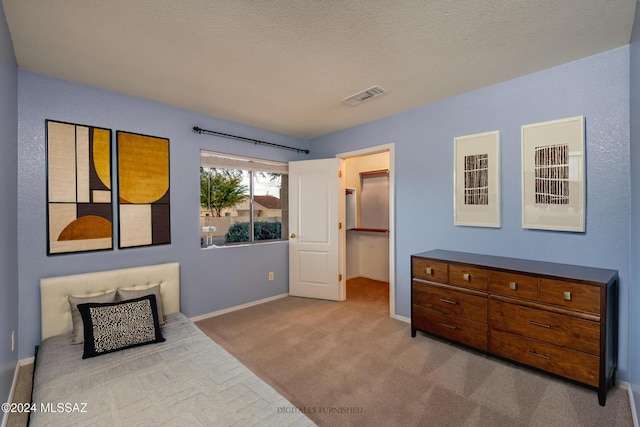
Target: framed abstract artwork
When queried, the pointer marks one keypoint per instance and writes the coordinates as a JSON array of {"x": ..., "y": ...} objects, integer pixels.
[
  {"x": 476, "y": 200},
  {"x": 553, "y": 175},
  {"x": 143, "y": 190},
  {"x": 79, "y": 199}
]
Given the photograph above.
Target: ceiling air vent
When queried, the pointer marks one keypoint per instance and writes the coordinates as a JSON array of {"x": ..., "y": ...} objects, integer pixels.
[{"x": 365, "y": 95}]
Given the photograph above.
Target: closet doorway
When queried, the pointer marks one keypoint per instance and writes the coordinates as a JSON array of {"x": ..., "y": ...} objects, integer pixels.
[{"x": 369, "y": 255}]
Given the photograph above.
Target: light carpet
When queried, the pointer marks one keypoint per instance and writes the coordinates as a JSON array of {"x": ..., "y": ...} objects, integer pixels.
[{"x": 349, "y": 364}]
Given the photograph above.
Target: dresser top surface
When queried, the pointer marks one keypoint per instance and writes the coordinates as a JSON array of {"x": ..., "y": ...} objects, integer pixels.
[{"x": 551, "y": 269}]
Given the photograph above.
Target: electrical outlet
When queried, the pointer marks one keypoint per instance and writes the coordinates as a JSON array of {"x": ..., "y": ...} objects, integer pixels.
[
  {"x": 13, "y": 341},
  {"x": 271, "y": 276}
]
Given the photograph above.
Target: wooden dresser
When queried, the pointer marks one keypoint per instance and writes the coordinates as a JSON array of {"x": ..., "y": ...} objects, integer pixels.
[{"x": 562, "y": 319}]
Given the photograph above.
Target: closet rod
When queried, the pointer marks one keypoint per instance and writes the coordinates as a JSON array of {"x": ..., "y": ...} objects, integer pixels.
[
  {"x": 378, "y": 172},
  {"x": 242, "y": 138}
]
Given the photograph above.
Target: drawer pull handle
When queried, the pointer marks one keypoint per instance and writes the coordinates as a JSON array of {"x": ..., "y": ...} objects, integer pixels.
[
  {"x": 542, "y": 325},
  {"x": 429, "y": 271},
  {"x": 448, "y": 301},
  {"x": 567, "y": 296},
  {"x": 466, "y": 277},
  {"x": 448, "y": 326},
  {"x": 542, "y": 356},
  {"x": 513, "y": 286}
]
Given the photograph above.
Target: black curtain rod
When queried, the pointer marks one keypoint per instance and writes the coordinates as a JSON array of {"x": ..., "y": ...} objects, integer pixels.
[{"x": 242, "y": 138}]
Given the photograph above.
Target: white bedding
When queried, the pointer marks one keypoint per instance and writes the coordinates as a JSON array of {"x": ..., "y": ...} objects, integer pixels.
[{"x": 188, "y": 380}]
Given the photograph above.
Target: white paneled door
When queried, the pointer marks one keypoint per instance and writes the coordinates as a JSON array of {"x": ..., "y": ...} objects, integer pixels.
[{"x": 316, "y": 237}]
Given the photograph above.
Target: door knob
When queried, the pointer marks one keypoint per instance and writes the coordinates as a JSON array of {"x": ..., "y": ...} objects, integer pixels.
[{"x": 293, "y": 235}]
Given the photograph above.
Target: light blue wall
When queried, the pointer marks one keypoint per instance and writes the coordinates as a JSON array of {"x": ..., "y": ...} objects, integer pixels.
[
  {"x": 596, "y": 87},
  {"x": 8, "y": 208},
  {"x": 634, "y": 290},
  {"x": 211, "y": 279}
]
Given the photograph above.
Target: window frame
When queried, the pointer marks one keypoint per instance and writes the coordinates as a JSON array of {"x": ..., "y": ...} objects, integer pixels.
[{"x": 249, "y": 166}]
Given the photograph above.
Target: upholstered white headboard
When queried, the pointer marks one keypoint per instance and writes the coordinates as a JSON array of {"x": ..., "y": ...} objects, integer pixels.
[{"x": 54, "y": 291}]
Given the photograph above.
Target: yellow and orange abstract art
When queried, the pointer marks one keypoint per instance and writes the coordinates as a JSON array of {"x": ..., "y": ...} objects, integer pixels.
[
  {"x": 79, "y": 206},
  {"x": 143, "y": 190}
]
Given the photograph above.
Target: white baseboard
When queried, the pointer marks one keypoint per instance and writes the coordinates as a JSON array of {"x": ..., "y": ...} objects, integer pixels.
[
  {"x": 21, "y": 362},
  {"x": 402, "y": 318},
  {"x": 27, "y": 361},
  {"x": 5, "y": 415},
  {"x": 634, "y": 414},
  {"x": 626, "y": 385},
  {"x": 262, "y": 301},
  {"x": 237, "y": 307}
]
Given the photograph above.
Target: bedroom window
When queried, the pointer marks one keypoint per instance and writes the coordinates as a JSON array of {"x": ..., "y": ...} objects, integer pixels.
[{"x": 242, "y": 200}]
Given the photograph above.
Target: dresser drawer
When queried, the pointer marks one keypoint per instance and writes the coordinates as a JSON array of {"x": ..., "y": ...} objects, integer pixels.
[
  {"x": 576, "y": 296},
  {"x": 565, "y": 331},
  {"x": 430, "y": 270},
  {"x": 514, "y": 285},
  {"x": 449, "y": 301},
  {"x": 468, "y": 332},
  {"x": 568, "y": 363},
  {"x": 468, "y": 277}
]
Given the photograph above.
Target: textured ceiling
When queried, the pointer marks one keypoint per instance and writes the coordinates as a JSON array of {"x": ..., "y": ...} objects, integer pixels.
[{"x": 286, "y": 65}]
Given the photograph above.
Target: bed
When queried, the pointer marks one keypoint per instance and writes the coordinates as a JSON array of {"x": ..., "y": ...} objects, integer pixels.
[{"x": 186, "y": 379}]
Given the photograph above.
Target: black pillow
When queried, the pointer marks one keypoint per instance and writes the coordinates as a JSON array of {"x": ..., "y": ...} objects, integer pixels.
[{"x": 110, "y": 327}]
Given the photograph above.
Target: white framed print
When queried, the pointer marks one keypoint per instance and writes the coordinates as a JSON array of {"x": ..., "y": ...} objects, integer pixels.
[
  {"x": 476, "y": 181},
  {"x": 553, "y": 175}
]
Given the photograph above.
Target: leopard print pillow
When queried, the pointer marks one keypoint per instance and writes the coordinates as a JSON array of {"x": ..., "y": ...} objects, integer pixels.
[{"x": 111, "y": 327}]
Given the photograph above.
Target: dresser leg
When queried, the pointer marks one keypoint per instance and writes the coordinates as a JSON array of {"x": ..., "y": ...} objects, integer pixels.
[
  {"x": 413, "y": 332},
  {"x": 602, "y": 396}
]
